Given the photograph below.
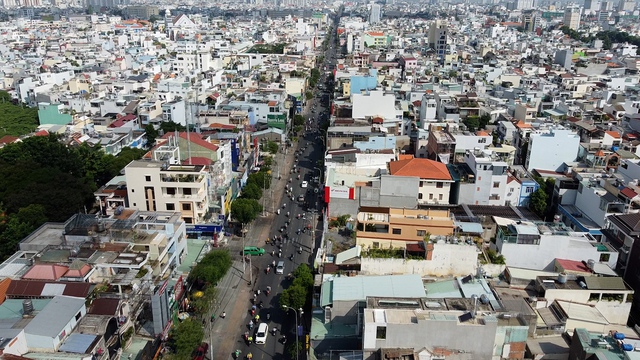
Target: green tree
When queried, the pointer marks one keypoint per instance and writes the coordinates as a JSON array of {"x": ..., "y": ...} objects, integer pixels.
[
  {"x": 252, "y": 191},
  {"x": 151, "y": 133},
  {"x": 538, "y": 202},
  {"x": 303, "y": 277},
  {"x": 483, "y": 121},
  {"x": 308, "y": 95},
  {"x": 185, "y": 337},
  {"x": 472, "y": 123},
  {"x": 213, "y": 266},
  {"x": 272, "y": 147},
  {"x": 295, "y": 348},
  {"x": 245, "y": 210},
  {"x": 298, "y": 120},
  {"x": 170, "y": 126},
  {"x": 295, "y": 296},
  {"x": 261, "y": 179}
]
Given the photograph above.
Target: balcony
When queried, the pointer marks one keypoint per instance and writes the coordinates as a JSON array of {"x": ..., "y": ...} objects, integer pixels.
[{"x": 183, "y": 178}]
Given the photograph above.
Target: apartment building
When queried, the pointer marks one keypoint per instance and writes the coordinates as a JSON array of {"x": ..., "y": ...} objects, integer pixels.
[
  {"x": 490, "y": 175},
  {"x": 435, "y": 181},
  {"x": 393, "y": 227},
  {"x": 550, "y": 150},
  {"x": 160, "y": 186},
  {"x": 536, "y": 245}
]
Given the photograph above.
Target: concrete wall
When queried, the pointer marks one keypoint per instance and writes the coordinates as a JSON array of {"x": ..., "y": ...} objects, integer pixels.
[
  {"x": 616, "y": 312},
  {"x": 447, "y": 260},
  {"x": 550, "y": 151},
  {"x": 542, "y": 256},
  {"x": 475, "y": 338},
  {"x": 376, "y": 103}
]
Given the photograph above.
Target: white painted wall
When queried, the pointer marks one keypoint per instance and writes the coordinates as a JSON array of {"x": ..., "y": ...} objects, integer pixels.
[
  {"x": 447, "y": 260},
  {"x": 541, "y": 257},
  {"x": 376, "y": 103},
  {"x": 550, "y": 151},
  {"x": 431, "y": 194}
]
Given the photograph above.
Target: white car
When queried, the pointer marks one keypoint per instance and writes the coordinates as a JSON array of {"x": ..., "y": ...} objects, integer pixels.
[
  {"x": 304, "y": 184},
  {"x": 261, "y": 333}
]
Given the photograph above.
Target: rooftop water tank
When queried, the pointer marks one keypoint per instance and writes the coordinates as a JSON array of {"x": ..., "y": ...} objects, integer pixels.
[
  {"x": 27, "y": 307},
  {"x": 562, "y": 278}
]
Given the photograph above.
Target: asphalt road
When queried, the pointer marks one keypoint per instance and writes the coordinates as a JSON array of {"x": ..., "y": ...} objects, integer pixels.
[
  {"x": 290, "y": 246},
  {"x": 310, "y": 150}
]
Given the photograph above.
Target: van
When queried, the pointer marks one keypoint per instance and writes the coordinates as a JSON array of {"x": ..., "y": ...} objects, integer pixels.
[
  {"x": 253, "y": 250},
  {"x": 261, "y": 333},
  {"x": 280, "y": 267}
]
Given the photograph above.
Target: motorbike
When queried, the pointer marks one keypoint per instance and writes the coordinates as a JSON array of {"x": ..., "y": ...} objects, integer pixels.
[
  {"x": 261, "y": 305},
  {"x": 300, "y": 250},
  {"x": 268, "y": 316},
  {"x": 283, "y": 339},
  {"x": 237, "y": 353},
  {"x": 291, "y": 257},
  {"x": 274, "y": 331}
]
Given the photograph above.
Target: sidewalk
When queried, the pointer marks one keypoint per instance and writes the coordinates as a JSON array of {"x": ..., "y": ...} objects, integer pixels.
[{"x": 233, "y": 291}]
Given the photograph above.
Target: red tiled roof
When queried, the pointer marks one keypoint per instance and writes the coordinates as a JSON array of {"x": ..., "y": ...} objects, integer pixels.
[
  {"x": 45, "y": 272},
  {"x": 195, "y": 139},
  {"x": 628, "y": 193},
  {"x": 422, "y": 168},
  {"x": 214, "y": 126},
  {"x": 8, "y": 139},
  {"x": 613, "y": 134},
  {"x": 19, "y": 289},
  {"x": 104, "y": 306},
  {"x": 198, "y": 160},
  {"x": 42, "y": 133},
  {"x": 572, "y": 265}
]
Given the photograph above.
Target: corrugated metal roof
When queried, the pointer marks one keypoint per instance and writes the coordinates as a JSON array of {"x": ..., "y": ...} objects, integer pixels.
[
  {"x": 604, "y": 283},
  {"x": 78, "y": 343},
  {"x": 53, "y": 318},
  {"x": 360, "y": 287}
]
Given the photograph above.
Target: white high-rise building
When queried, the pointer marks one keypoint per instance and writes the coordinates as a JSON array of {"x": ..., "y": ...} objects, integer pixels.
[{"x": 374, "y": 16}]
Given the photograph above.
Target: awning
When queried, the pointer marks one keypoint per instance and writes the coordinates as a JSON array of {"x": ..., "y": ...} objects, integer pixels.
[{"x": 469, "y": 227}]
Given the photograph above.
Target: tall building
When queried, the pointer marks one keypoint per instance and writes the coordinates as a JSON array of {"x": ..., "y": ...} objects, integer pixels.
[
  {"x": 591, "y": 5},
  {"x": 374, "y": 16},
  {"x": 142, "y": 12},
  {"x": 529, "y": 21},
  {"x": 438, "y": 32},
  {"x": 626, "y": 5},
  {"x": 572, "y": 18}
]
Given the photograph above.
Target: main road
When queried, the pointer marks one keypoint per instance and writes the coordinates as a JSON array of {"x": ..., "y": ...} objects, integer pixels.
[{"x": 304, "y": 205}]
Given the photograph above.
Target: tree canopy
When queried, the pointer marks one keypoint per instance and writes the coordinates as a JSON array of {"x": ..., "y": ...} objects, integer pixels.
[
  {"x": 185, "y": 338},
  {"x": 16, "y": 119},
  {"x": 42, "y": 179},
  {"x": 245, "y": 210},
  {"x": 212, "y": 267}
]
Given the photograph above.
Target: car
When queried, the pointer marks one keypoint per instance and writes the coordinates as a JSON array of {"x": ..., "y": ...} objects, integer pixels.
[
  {"x": 253, "y": 250},
  {"x": 201, "y": 352},
  {"x": 261, "y": 333},
  {"x": 304, "y": 184},
  {"x": 301, "y": 198}
]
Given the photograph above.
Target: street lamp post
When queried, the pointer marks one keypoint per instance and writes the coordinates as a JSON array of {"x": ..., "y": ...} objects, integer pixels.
[{"x": 298, "y": 312}]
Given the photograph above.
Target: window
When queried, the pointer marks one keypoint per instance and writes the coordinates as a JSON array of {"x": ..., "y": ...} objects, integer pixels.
[
  {"x": 430, "y": 196},
  {"x": 134, "y": 204},
  {"x": 439, "y": 185},
  {"x": 188, "y": 220},
  {"x": 78, "y": 316},
  {"x": 439, "y": 196},
  {"x": 375, "y": 245},
  {"x": 421, "y": 232},
  {"x": 133, "y": 190},
  {"x": 421, "y": 184},
  {"x": 604, "y": 257},
  {"x": 147, "y": 178},
  {"x": 186, "y": 191},
  {"x": 171, "y": 191},
  {"x": 186, "y": 207},
  {"x": 381, "y": 332},
  {"x": 496, "y": 184},
  {"x": 529, "y": 189},
  {"x": 171, "y": 206},
  {"x": 396, "y": 231},
  {"x": 419, "y": 196}
]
